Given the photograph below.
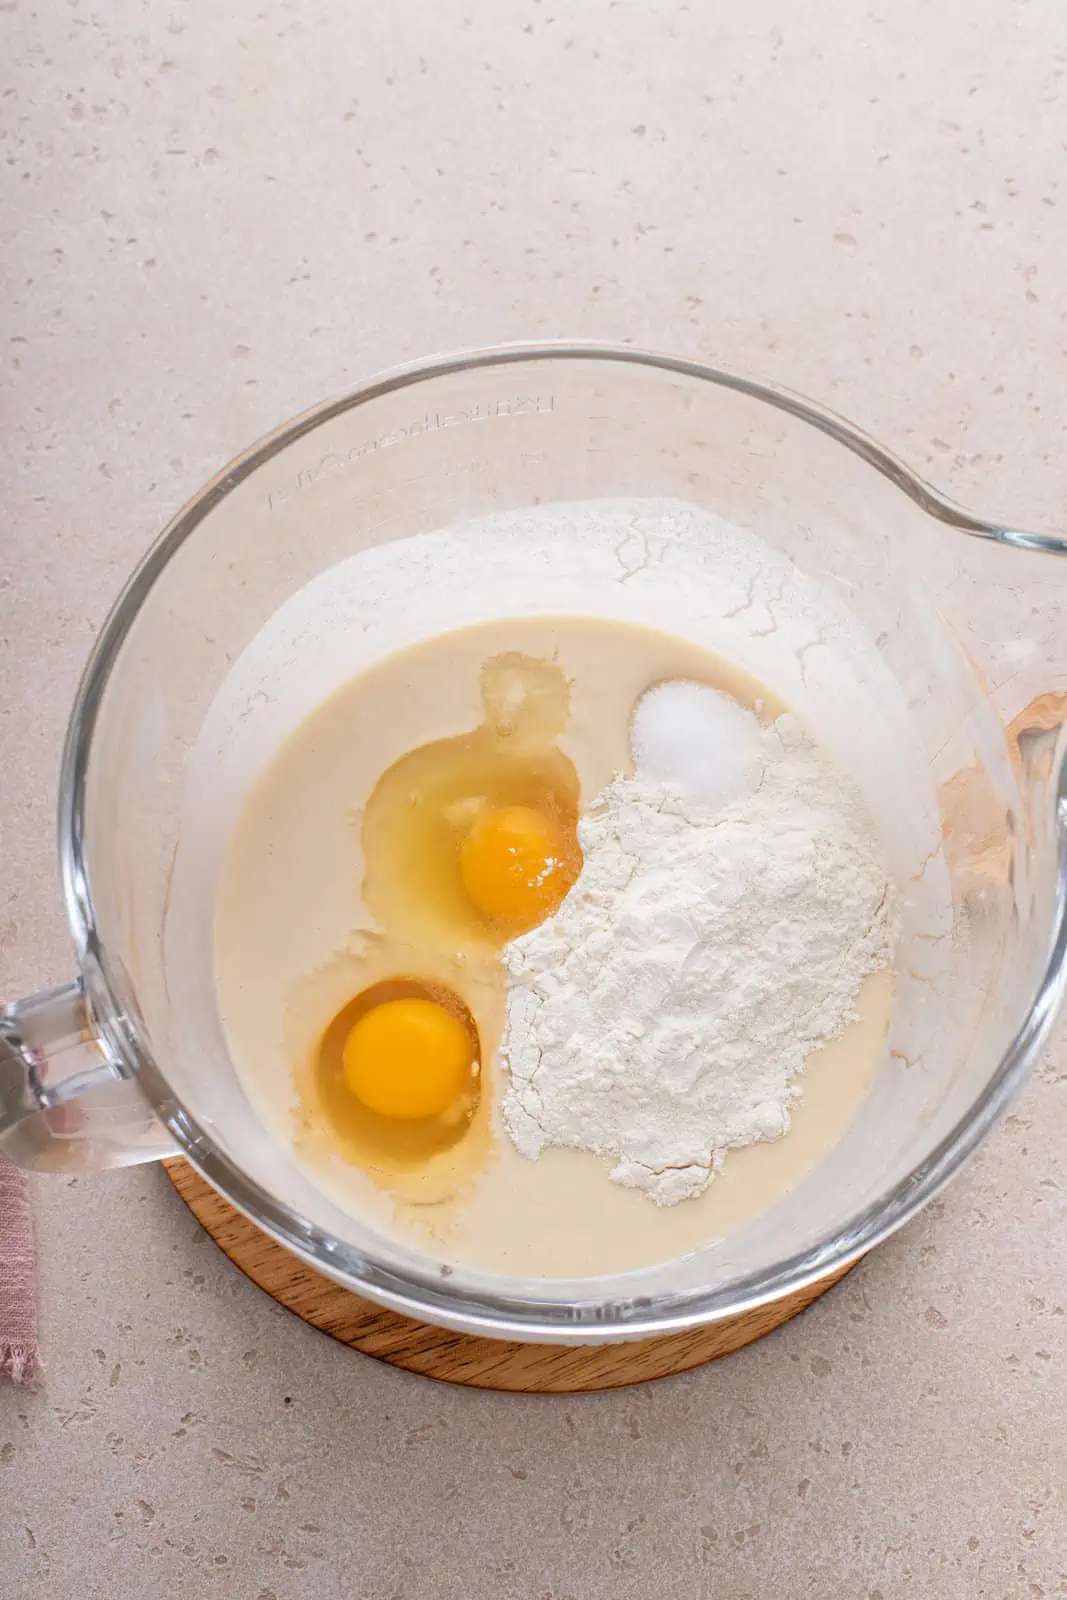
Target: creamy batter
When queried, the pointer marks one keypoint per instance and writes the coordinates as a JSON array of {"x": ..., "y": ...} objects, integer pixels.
[{"x": 294, "y": 941}]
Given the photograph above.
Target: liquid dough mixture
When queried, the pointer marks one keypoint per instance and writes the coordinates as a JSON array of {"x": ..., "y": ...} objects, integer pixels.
[{"x": 295, "y": 942}]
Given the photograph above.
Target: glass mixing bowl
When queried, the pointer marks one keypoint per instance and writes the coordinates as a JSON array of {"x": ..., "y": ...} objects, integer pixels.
[{"x": 954, "y": 620}]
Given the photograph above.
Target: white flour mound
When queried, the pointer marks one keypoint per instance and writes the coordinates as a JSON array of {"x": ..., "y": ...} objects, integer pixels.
[{"x": 662, "y": 1016}]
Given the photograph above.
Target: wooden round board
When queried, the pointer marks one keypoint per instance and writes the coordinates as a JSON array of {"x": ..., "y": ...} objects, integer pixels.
[{"x": 459, "y": 1357}]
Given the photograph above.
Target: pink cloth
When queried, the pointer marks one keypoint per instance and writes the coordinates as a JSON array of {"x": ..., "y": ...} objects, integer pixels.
[{"x": 20, "y": 1354}]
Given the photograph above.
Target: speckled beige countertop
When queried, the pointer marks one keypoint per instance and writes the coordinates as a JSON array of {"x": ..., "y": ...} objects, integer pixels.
[{"x": 217, "y": 214}]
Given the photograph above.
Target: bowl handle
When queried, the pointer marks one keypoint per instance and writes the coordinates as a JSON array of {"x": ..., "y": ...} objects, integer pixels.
[{"x": 64, "y": 1103}]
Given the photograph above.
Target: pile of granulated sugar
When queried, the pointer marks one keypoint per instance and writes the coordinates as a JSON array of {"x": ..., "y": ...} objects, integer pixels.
[{"x": 663, "y": 1015}]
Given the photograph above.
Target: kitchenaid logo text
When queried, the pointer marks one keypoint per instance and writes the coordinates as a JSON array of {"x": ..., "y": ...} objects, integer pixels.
[{"x": 432, "y": 422}]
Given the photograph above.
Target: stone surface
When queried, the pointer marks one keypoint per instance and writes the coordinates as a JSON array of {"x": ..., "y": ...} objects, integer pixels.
[{"x": 215, "y": 215}]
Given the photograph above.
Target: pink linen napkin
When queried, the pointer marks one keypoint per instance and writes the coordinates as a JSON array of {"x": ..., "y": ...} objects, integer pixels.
[{"x": 20, "y": 1354}]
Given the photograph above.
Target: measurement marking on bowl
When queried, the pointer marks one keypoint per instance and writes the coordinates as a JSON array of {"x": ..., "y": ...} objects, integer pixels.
[{"x": 431, "y": 422}]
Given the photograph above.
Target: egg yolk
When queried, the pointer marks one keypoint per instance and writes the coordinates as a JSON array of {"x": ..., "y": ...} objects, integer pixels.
[
  {"x": 408, "y": 1058},
  {"x": 516, "y": 866}
]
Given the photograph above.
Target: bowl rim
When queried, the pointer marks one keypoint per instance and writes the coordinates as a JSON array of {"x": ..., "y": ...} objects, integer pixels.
[{"x": 430, "y": 1295}]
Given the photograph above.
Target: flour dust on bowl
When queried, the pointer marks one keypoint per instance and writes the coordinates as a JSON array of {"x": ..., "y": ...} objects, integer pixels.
[{"x": 541, "y": 837}]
